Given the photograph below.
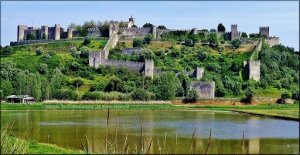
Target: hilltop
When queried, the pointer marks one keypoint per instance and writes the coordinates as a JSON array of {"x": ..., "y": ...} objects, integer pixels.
[{"x": 186, "y": 64}]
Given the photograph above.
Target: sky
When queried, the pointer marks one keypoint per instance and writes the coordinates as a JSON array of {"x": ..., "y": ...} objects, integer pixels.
[{"x": 281, "y": 17}]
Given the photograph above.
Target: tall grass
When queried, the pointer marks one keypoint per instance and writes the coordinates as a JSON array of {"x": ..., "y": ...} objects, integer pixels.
[{"x": 11, "y": 145}]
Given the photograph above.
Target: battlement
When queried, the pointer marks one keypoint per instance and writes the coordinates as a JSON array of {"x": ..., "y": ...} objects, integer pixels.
[
  {"x": 264, "y": 31},
  {"x": 273, "y": 41}
]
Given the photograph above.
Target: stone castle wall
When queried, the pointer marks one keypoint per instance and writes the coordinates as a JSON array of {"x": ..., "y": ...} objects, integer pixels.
[
  {"x": 94, "y": 32},
  {"x": 254, "y": 70},
  {"x": 206, "y": 90},
  {"x": 234, "y": 32},
  {"x": 273, "y": 41}
]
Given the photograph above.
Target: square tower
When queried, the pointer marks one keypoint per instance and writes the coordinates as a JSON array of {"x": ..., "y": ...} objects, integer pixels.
[{"x": 264, "y": 31}]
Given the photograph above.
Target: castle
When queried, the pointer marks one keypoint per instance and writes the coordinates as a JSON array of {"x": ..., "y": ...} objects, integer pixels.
[{"x": 117, "y": 30}]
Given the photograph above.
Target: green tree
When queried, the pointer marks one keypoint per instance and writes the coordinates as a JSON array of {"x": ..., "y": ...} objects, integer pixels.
[
  {"x": 167, "y": 85},
  {"x": 221, "y": 28},
  {"x": 285, "y": 95},
  {"x": 6, "y": 89},
  {"x": 137, "y": 42},
  {"x": 192, "y": 96},
  {"x": 115, "y": 84},
  {"x": 148, "y": 39},
  {"x": 56, "y": 80},
  {"x": 37, "y": 87},
  {"x": 7, "y": 50},
  {"x": 213, "y": 39},
  {"x": 148, "y": 25},
  {"x": 244, "y": 35},
  {"x": 46, "y": 89},
  {"x": 43, "y": 68},
  {"x": 236, "y": 43},
  {"x": 162, "y": 27},
  {"x": 249, "y": 95}
]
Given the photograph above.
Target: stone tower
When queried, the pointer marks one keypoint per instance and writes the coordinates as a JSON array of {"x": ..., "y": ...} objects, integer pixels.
[
  {"x": 70, "y": 32},
  {"x": 234, "y": 32},
  {"x": 254, "y": 70},
  {"x": 57, "y": 32},
  {"x": 44, "y": 32},
  {"x": 21, "y": 32},
  {"x": 131, "y": 22},
  {"x": 94, "y": 59},
  {"x": 264, "y": 31},
  {"x": 113, "y": 27},
  {"x": 149, "y": 68},
  {"x": 154, "y": 31},
  {"x": 194, "y": 31},
  {"x": 199, "y": 73}
]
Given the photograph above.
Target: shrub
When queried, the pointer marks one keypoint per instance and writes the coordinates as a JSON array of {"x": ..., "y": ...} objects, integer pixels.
[
  {"x": 192, "y": 96},
  {"x": 140, "y": 94},
  {"x": 39, "y": 51},
  {"x": 249, "y": 95},
  {"x": 7, "y": 50},
  {"x": 43, "y": 68},
  {"x": 115, "y": 84},
  {"x": 63, "y": 94},
  {"x": 285, "y": 95},
  {"x": 148, "y": 39},
  {"x": 296, "y": 95},
  {"x": 86, "y": 41},
  {"x": 51, "y": 53},
  {"x": 74, "y": 66},
  {"x": 137, "y": 43},
  {"x": 46, "y": 57},
  {"x": 98, "y": 95},
  {"x": 77, "y": 82}
]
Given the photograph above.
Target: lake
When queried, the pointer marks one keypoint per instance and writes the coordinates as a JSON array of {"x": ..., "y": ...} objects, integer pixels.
[{"x": 168, "y": 131}]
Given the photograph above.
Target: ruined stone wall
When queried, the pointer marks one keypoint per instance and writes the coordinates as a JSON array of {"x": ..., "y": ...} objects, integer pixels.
[
  {"x": 113, "y": 27},
  {"x": 93, "y": 32},
  {"x": 149, "y": 68},
  {"x": 134, "y": 66},
  {"x": 70, "y": 32},
  {"x": 273, "y": 41},
  {"x": 206, "y": 90},
  {"x": 254, "y": 70},
  {"x": 94, "y": 59},
  {"x": 264, "y": 31},
  {"x": 135, "y": 32},
  {"x": 33, "y": 31},
  {"x": 130, "y": 51}
]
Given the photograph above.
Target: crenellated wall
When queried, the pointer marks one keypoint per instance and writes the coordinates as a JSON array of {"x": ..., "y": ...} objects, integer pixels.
[{"x": 273, "y": 41}]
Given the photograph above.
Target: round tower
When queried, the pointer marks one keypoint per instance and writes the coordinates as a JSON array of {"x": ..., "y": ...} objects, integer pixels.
[
  {"x": 154, "y": 32},
  {"x": 149, "y": 68},
  {"x": 21, "y": 32},
  {"x": 70, "y": 32},
  {"x": 57, "y": 32}
]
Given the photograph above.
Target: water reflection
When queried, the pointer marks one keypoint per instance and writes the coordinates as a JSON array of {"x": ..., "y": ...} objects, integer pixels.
[{"x": 171, "y": 131}]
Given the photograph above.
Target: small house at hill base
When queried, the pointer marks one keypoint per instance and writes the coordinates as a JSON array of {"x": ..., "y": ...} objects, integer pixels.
[{"x": 20, "y": 99}]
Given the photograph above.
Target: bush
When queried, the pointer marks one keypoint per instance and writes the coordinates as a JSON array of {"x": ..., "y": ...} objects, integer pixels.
[
  {"x": 46, "y": 57},
  {"x": 141, "y": 95},
  {"x": 39, "y": 51},
  {"x": 51, "y": 53},
  {"x": 7, "y": 50},
  {"x": 189, "y": 42},
  {"x": 236, "y": 43},
  {"x": 115, "y": 84},
  {"x": 86, "y": 41},
  {"x": 296, "y": 95},
  {"x": 285, "y": 95},
  {"x": 192, "y": 96},
  {"x": 65, "y": 95},
  {"x": 43, "y": 68},
  {"x": 98, "y": 95},
  {"x": 137, "y": 43},
  {"x": 77, "y": 82},
  {"x": 249, "y": 95},
  {"x": 148, "y": 39}
]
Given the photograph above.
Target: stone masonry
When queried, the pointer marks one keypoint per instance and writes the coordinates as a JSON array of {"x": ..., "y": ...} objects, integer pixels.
[
  {"x": 254, "y": 70},
  {"x": 206, "y": 90}
]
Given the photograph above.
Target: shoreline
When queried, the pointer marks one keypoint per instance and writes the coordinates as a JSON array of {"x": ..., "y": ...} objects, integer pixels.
[{"x": 267, "y": 115}]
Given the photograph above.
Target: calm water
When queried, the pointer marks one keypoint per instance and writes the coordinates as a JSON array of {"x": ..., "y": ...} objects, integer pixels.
[{"x": 171, "y": 131}]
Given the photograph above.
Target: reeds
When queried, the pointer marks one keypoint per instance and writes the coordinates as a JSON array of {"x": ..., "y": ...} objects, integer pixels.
[{"x": 11, "y": 145}]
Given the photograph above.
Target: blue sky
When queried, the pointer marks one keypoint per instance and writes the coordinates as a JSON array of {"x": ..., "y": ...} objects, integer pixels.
[{"x": 281, "y": 17}]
